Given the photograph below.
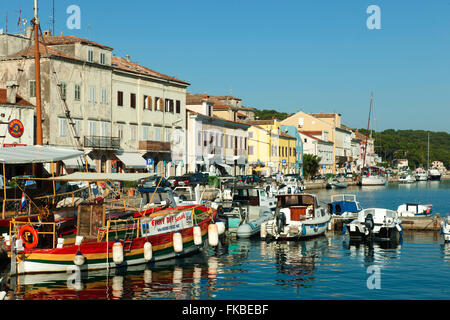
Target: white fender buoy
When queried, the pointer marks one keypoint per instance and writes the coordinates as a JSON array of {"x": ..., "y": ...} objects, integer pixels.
[
  {"x": 177, "y": 242},
  {"x": 148, "y": 251},
  {"x": 117, "y": 286},
  {"x": 197, "y": 235},
  {"x": 117, "y": 252},
  {"x": 79, "y": 259},
  {"x": 220, "y": 227},
  {"x": 213, "y": 235},
  {"x": 263, "y": 230}
]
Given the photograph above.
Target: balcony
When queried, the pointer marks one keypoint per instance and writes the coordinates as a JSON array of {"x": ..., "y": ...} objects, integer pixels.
[
  {"x": 98, "y": 142},
  {"x": 158, "y": 146}
]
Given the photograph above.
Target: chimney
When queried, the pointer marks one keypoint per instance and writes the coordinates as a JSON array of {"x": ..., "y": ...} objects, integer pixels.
[
  {"x": 28, "y": 31},
  {"x": 11, "y": 92},
  {"x": 128, "y": 57}
]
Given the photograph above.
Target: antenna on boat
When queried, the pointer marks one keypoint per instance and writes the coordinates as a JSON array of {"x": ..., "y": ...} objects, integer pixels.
[{"x": 367, "y": 133}]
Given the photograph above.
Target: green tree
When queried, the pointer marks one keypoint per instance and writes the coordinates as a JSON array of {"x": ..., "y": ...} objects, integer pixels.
[{"x": 310, "y": 164}]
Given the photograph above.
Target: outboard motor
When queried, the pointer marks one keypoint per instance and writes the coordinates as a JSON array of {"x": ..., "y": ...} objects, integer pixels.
[
  {"x": 368, "y": 222},
  {"x": 221, "y": 216},
  {"x": 281, "y": 221}
]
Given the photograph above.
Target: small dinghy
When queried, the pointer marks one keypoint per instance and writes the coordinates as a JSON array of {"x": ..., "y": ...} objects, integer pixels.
[{"x": 335, "y": 184}]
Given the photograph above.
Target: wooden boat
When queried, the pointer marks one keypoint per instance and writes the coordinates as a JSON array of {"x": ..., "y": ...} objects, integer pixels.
[
  {"x": 108, "y": 236},
  {"x": 297, "y": 216}
]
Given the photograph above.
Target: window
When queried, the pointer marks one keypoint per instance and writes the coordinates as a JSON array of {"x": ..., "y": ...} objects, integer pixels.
[
  {"x": 77, "y": 95},
  {"x": 120, "y": 131},
  {"x": 178, "y": 106},
  {"x": 157, "y": 133},
  {"x": 250, "y": 134},
  {"x": 133, "y": 100},
  {"x": 171, "y": 106},
  {"x": 91, "y": 94},
  {"x": 104, "y": 96},
  {"x": 145, "y": 131},
  {"x": 199, "y": 138},
  {"x": 92, "y": 127},
  {"x": 245, "y": 143},
  {"x": 166, "y": 105},
  {"x": 62, "y": 132},
  {"x": 32, "y": 89},
  {"x": 77, "y": 127},
  {"x": 102, "y": 58},
  {"x": 250, "y": 150},
  {"x": 120, "y": 98},
  {"x": 147, "y": 102},
  {"x": 133, "y": 129},
  {"x": 167, "y": 134},
  {"x": 63, "y": 87},
  {"x": 91, "y": 55},
  {"x": 104, "y": 129}
]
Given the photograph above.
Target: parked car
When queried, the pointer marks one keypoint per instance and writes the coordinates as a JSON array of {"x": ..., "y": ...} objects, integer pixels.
[
  {"x": 173, "y": 181},
  {"x": 153, "y": 182},
  {"x": 253, "y": 178},
  {"x": 192, "y": 179}
]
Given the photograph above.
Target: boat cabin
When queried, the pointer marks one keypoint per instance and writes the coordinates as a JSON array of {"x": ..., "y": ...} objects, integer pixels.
[
  {"x": 153, "y": 197},
  {"x": 249, "y": 195},
  {"x": 301, "y": 206}
]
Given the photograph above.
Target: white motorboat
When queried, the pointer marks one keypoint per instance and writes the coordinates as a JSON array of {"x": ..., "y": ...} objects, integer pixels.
[
  {"x": 434, "y": 175},
  {"x": 249, "y": 208},
  {"x": 414, "y": 210},
  {"x": 406, "y": 178},
  {"x": 297, "y": 216},
  {"x": 421, "y": 174},
  {"x": 376, "y": 223},
  {"x": 344, "y": 205},
  {"x": 445, "y": 229},
  {"x": 373, "y": 176},
  {"x": 335, "y": 184}
]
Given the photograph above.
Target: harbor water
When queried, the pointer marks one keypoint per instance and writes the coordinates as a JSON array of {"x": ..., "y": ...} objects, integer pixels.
[{"x": 322, "y": 268}]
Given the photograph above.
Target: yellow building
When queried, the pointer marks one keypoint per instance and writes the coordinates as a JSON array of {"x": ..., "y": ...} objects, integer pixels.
[
  {"x": 258, "y": 150},
  {"x": 281, "y": 156}
]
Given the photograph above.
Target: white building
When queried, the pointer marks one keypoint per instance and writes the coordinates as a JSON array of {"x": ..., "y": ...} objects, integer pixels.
[
  {"x": 122, "y": 112},
  {"x": 316, "y": 146}
]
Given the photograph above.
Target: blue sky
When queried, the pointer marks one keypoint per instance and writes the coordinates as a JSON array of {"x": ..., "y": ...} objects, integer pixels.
[{"x": 318, "y": 56}]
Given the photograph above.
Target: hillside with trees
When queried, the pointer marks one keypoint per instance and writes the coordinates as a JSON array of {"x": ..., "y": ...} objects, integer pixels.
[
  {"x": 270, "y": 114},
  {"x": 412, "y": 145}
]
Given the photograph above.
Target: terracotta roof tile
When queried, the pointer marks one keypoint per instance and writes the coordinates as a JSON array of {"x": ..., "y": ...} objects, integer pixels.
[
  {"x": 59, "y": 40},
  {"x": 124, "y": 64},
  {"x": 19, "y": 100},
  {"x": 43, "y": 50}
]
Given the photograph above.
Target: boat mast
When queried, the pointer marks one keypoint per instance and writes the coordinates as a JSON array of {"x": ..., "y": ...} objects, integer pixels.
[
  {"x": 428, "y": 151},
  {"x": 37, "y": 63},
  {"x": 367, "y": 133}
]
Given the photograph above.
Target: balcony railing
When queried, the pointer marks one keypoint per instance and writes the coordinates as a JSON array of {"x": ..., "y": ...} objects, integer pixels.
[
  {"x": 99, "y": 142},
  {"x": 154, "y": 145}
]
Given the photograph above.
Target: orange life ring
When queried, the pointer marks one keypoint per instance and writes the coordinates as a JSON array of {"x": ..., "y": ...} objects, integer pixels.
[{"x": 34, "y": 234}]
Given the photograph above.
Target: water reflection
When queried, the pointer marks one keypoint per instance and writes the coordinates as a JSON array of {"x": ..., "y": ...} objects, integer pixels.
[
  {"x": 188, "y": 278},
  {"x": 298, "y": 260},
  {"x": 371, "y": 252}
]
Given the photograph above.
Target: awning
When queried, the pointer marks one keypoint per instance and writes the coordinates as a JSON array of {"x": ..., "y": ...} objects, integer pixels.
[
  {"x": 132, "y": 160},
  {"x": 36, "y": 154},
  {"x": 97, "y": 176},
  {"x": 75, "y": 163}
]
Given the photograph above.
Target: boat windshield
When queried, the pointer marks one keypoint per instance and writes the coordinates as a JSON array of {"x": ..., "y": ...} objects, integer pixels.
[{"x": 295, "y": 200}]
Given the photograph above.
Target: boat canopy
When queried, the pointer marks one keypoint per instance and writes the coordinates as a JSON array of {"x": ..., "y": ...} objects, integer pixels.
[
  {"x": 36, "y": 154},
  {"x": 101, "y": 176}
]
